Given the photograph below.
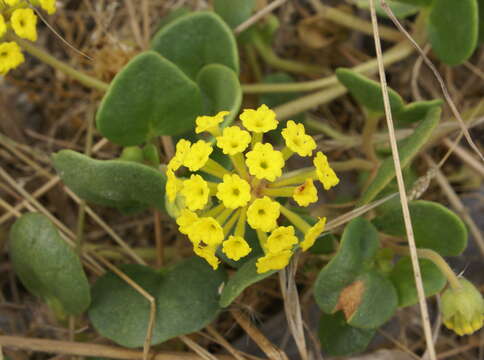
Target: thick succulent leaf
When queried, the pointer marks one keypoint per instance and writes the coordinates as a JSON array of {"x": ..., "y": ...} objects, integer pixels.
[
  {"x": 435, "y": 227},
  {"x": 340, "y": 339},
  {"x": 47, "y": 266},
  {"x": 221, "y": 89},
  {"x": 453, "y": 28},
  {"x": 408, "y": 148},
  {"x": 148, "y": 98},
  {"x": 245, "y": 276},
  {"x": 367, "y": 92},
  {"x": 125, "y": 185},
  {"x": 186, "y": 301},
  {"x": 404, "y": 281},
  {"x": 416, "y": 111},
  {"x": 358, "y": 245},
  {"x": 234, "y": 12},
  {"x": 196, "y": 40}
]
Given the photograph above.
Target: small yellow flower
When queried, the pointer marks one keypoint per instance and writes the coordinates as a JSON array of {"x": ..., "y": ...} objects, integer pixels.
[
  {"x": 209, "y": 123},
  {"x": 306, "y": 193},
  {"x": 24, "y": 23},
  {"x": 281, "y": 238},
  {"x": 312, "y": 234},
  {"x": 3, "y": 26},
  {"x": 11, "y": 2},
  {"x": 275, "y": 261},
  {"x": 234, "y": 192},
  {"x": 206, "y": 230},
  {"x": 196, "y": 191},
  {"x": 236, "y": 247},
  {"x": 234, "y": 140},
  {"x": 297, "y": 140},
  {"x": 173, "y": 185},
  {"x": 48, "y": 5},
  {"x": 264, "y": 162},
  {"x": 197, "y": 156},
  {"x": 262, "y": 214},
  {"x": 462, "y": 308},
  {"x": 207, "y": 253},
  {"x": 10, "y": 57},
  {"x": 325, "y": 173},
  {"x": 182, "y": 148},
  {"x": 259, "y": 121},
  {"x": 185, "y": 221}
]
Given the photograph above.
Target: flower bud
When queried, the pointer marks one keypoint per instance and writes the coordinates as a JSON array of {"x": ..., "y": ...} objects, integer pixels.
[{"x": 463, "y": 308}]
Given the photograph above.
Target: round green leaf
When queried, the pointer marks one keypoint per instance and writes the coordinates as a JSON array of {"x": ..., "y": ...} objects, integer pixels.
[
  {"x": 46, "y": 265},
  {"x": 195, "y": 40},
  {"x": 367, "y": 92},
  {"x": 453, "y": 29},
  {"x": 408, "y": 148},
  {"x": 340, "y": 339},
  {"x": 404, "y": 281},
  {"x": 221, "y": 89},
  {"x": 245, "y": 276},
  {"x": 416, "y": 111},
  {"x": 148, "y": 98},
  {"x": 186, "y": 301},
  {"x": 358, "y": 245},
  {"x": 124, "y": 185},
  {"x": 372, "y": 302},
  {"x": 234, "y": 12},
  {"x": 435, "y": 227}
]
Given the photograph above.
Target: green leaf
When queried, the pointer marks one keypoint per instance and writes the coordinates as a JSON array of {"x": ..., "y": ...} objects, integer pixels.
[
  {"x": 172, "y": 16},
  {"x": 435, "y": 227},
  {"x": 404, "y": 281},
  {"x": 370, "y": 301},
  {"x": 416, "y": 111},
  {"x": 245, "y": 276},
  {"x": 407, "y": 148},
  {"x": 148, "y": 98},
  {"x": 46, "y": 265},
  {"x": 124, "y": 185},
  {"x": 340, "y": 339},
  {"x": 186, "y": 301},
  {"x": 422, "y": 3},
  {"x": 358, "y": 245},
  {"x": 453, "y": 28},
  {"x": 195, "y": 40},
  {"x": 400, "y": 10},
  {"x": 221, "y": 89},
  {"x": 367, "y": 92},
  {"x": 234, "y": 12}
]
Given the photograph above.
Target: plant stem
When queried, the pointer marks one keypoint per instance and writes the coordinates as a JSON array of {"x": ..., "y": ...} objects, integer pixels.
[
  {"x": 396, "y": 53},
  {"x": 40, "y": 54},
  {"x": 370, "y": 127},
  {"x": 324, "y": 128},
  {"x": 269, "y": 56}
]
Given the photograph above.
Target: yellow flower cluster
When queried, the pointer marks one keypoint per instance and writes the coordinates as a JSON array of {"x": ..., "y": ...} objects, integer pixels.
[
  {"x": 215, "y": 213},
  {"x": 18, "y": 16}
]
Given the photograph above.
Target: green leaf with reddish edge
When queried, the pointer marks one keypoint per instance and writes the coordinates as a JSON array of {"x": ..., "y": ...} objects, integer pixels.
[
  {"x": 47, "y": 266},
  {"x": 196, "y": 40},
  {"x": 245, "y": 276},
  {"x": 404, "y": 280},
  {"x": 408, "y": 148},
  {"x": 125, "y": 185},
  {"x": 149, "y": 97},
  {"x": 358, "y": 245},
  {"x": 186, "y": 298},
  {"x": 453, "y": 29},
  {"x": 367, "y": 92},
  {"x": 435, "y": 227},
  {"x": 221, "y": 89},
  {"x": 340, "y": 339}
]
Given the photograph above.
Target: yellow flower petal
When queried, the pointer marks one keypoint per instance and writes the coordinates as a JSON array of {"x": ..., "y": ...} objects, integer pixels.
[
  {"x": 173, "y": 185},
  {"x": 185, "y": 221},
  {"x": 275, "y": 261},
  {"x": 182, "y": 148},
  {"x": 297, "y": 140},
  {"x": 259, "y": 121},
  {"x": 281, "y": 238},
  {"x": 24, "y": 23},
  {"x": 236, "y": 247},
  {"x": 10, "y": 57},
  {"x": 3, "y": 26},
  {"x": 209, "y": 123},
  {"x": 263, "y": 213},
  {"x": 306, "y": 193},
  {"x": 234, "y": 140},
  {"x": 234, "y": 192},
  {"x": 325, "y": 173},
  {"x": 197, "y": 156},
  {"x": 312, "y": 234},
  {"x": 208, "y": 253},
  {"x": 48, "y": 5},
  {"x": 196, "y": 192},
  {"x": 264, "y": 162},
  {"x": 206, "y": 230}
]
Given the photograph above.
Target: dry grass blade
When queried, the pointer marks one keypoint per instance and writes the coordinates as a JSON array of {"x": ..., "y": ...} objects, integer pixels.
[
  {"x": 465, "y": 157},
  {"x": 272, "y": 352},
  {"x": 429, "y": 63},
  {"x": 221, "y": 340},
  {"x": 259, "y": 15},
  {"x": 401, "y": 188},
  {"x": 200, "y": 351}
]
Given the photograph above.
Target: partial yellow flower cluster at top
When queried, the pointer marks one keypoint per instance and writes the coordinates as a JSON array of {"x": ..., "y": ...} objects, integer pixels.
[
  {"x": 215, "y": 213},
  {"x": 18, "y": 16}
]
